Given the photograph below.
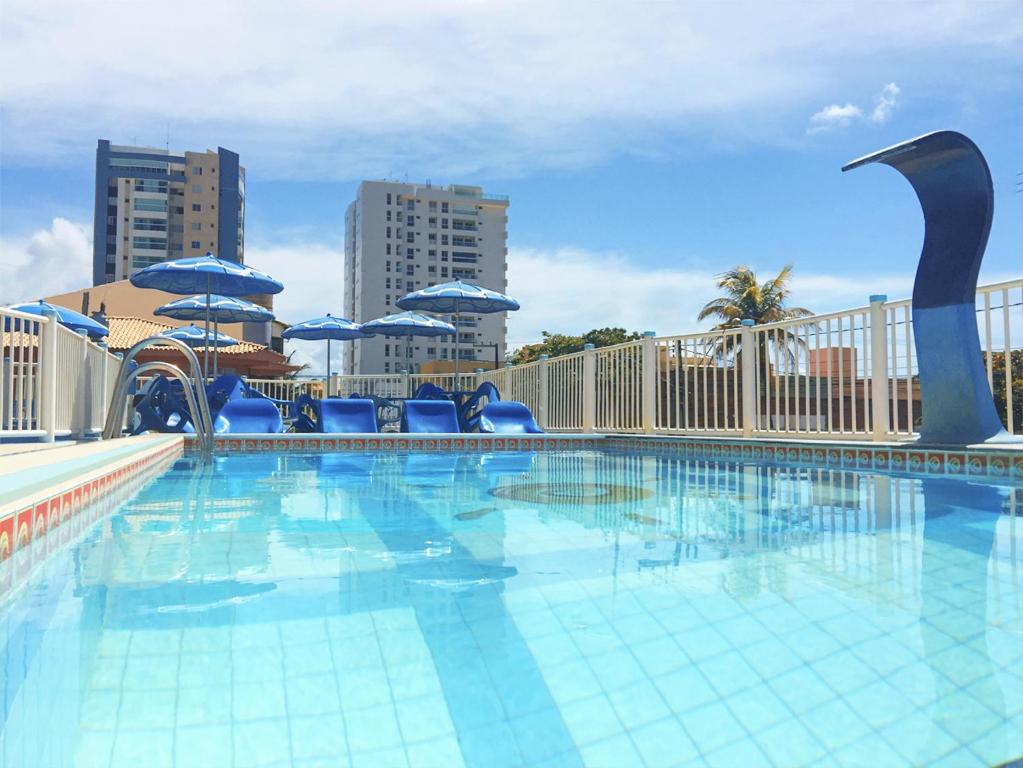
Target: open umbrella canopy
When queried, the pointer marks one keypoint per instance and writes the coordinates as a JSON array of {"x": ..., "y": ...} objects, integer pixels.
[
  {"x": 205, "y": 273},
  {"x": 196, "y": 337},
  {"x": 408, "y": 324},
  {"x": 224, "y": 309},
  {"x": 76, "y": 321},
  {"x": 458, "y": 296},
  {"x": 328, "y": 327}
]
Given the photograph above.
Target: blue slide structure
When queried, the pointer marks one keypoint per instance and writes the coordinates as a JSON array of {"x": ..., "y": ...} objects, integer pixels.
[{"x": 953, "y": 183}]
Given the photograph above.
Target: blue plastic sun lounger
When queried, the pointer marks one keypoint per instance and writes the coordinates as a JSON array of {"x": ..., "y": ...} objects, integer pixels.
[
  {"x": 335, "y": 414},
  {"x": 250, "y": 415},
  {"x": 351, "y": 414},
  {"x": 508, "y": 417},
  {"x": 429, "y": 416}
]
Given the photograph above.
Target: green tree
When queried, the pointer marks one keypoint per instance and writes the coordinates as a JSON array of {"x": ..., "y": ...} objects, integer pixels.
[
  {"x": 746, "y": 299},
  {"x": 555, "y": 344}
]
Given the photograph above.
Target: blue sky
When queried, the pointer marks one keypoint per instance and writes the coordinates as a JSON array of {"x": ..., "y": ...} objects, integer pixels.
[{"x": 645, "y": 146}]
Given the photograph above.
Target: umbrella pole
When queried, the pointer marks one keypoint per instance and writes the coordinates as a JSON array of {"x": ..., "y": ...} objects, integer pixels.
[
  {"x": 328, "y": 367},
  {"x": 216, "y": 349},
  {"x": 455, "y": 386},
  {"x": 206, "y": 349}
]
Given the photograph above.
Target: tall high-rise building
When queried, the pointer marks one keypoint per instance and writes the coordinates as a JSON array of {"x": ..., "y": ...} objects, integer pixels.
[
  {"x": 403, "y": 237},
  {"x": 155, "y": 204}
]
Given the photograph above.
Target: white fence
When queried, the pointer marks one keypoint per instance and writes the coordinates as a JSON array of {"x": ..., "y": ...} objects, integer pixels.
[
  {"x": 849, "y": 374},
  {"x": 54, "y": 382}
]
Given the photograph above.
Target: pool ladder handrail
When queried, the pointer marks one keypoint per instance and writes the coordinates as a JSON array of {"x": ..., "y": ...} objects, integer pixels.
[{"x": 194, "y": 387}]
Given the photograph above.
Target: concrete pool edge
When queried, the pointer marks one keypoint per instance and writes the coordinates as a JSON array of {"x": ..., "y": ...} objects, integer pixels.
[{"x": 41, "y": 520}]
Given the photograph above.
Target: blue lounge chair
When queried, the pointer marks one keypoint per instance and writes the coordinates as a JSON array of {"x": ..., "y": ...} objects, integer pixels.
[
  {"x": 256, "y": 415},
  {"x": 508, "y": 417},
  {"x": 336, "y": 414},
  {"x": 429, "y": 416}
]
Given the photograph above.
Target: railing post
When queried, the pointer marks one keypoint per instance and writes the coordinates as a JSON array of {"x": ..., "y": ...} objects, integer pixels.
[
  {"x": 544, "y": 393},
  {"x": 589, "y": 388},
  {"x": 405, "y": 382},
  {"x": 48, "y": 375},
  {"x": 748, "y": 356},
  {"x": 649, "y": 382},
  {"x": 878, "y": 368},
  {"x": 104, "y": 402},
  {"x": 81, "y": 421}
]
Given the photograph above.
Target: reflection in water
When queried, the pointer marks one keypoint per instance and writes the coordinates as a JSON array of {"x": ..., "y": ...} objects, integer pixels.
[{"x": 507, "y": 588}]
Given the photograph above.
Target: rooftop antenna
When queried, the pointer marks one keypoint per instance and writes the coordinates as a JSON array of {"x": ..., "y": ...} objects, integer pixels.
[{"x": 167, "y": 145}]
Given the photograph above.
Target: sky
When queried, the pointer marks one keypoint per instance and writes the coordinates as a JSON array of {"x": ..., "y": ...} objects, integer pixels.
[{"x": 646, "y": 147}]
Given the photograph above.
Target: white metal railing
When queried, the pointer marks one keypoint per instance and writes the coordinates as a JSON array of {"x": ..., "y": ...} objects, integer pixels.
[
  {"x": 54, "y": 382},
  {"x": 849, "y": 374}
]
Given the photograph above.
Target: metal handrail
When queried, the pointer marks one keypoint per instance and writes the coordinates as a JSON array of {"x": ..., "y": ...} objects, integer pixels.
[{"x": 198, "y": 406}]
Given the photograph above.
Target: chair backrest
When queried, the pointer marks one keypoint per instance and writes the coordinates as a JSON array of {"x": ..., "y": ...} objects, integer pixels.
[
  {"x": 508, "y": 417},
  {"x": 430, "y": 416},
  {"x": 428, "y": 391},
  {"x": 346, "y": 415},
  {"x": 249, "y": 415}
]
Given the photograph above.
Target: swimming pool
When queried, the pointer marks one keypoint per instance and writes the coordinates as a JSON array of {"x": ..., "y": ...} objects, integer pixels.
[{"x": 562, "y": 608}]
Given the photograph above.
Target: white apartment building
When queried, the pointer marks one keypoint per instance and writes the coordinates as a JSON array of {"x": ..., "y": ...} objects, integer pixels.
[{"x": 403, "y": 237}]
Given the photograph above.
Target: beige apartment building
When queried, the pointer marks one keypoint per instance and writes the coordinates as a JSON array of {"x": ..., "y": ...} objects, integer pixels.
[
  {"x": 155, "y": 204},
  {"x": 401, "y": 237}
]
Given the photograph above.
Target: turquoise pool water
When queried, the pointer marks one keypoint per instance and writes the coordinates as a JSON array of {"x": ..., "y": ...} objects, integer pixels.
[{"x": 550, "y": 609}]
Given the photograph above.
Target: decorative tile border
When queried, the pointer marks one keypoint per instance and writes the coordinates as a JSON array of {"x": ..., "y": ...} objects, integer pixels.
[
  {"x": 883, "y": 456},
  {"x": 32, "y": 528},
  {"x": 896, "y": 458},
  {"x": 401, "y": 442}
]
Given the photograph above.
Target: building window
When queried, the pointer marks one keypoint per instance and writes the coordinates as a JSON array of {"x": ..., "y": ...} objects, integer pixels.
[
  {"x": 432, "y": 254},
  {"x": 196, "y": 171},
  {"x": 410, "y": 220},
  {"x": 443, "y": 255},
  {"x": 443, "y": 223},
  {"x": 387, "y": 283},
  {"x": 196, "y": 244},
  {"x": 388, "y": 198},
  {"x": 387, "y": 350},
  {"x": 431, "y": 238},
  {"x": 431, "y": 351},
  {"x": 388, "y": 215},
  {"x": 196, "y": 226},
  {"x": 433, "y": 205},
  {"x": 409, "y": 269},
  {"x": 443, "y": 239},
  {"x": 146, "y": 204},
  {"x": 388, "y": 232},
  {"x": 410, "y": 253},
  {"x": 443, "y": 271},
  {"x": 410, "y": 205},
  {"x": 196, "y": 207},
  {"x": 431, "y": 270},
  {"x": 410, "y": 237},
  {"x": 443, "y": 207},
  {"x": 388, "y": 249}
]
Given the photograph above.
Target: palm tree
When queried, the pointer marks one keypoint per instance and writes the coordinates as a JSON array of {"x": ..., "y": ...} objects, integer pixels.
[{"x": 746, "y": 299}]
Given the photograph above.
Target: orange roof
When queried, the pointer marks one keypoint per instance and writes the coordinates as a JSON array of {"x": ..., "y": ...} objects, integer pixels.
[{"x": 125, "y": 332}]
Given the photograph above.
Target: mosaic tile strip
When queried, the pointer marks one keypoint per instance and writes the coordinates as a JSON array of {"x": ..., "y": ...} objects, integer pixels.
[
  {"x": 990, "y": 463},
  {"x": 33, "y": 528},
  {"x": 403, "y": 442}
]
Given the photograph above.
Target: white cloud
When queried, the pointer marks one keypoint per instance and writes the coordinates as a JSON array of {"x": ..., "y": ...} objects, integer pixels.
[
  {"x": 884, "y": 104},
  {"x": 835, "y": 116},
  {"x": 48, "y": 262},
  {"x": 570, "y": 290},
  {"x": 313, "y": 276},
  {"x": 327, "y": 89}
]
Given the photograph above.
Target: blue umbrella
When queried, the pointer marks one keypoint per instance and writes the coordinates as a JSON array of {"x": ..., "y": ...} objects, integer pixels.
[
  {"x": 408, "y": 324},
  {"x": 223, "y": 309},
  {"x": 329, "y": 328},
  {"x": 205, "y": 274},
  {"x": 457, "y": 297},
  {"x": 195, "y": 337},
  {"x": 76, "y": 321}
]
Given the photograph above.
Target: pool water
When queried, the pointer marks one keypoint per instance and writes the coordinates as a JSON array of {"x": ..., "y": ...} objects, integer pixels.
[{"x": 517, "y": 609}]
